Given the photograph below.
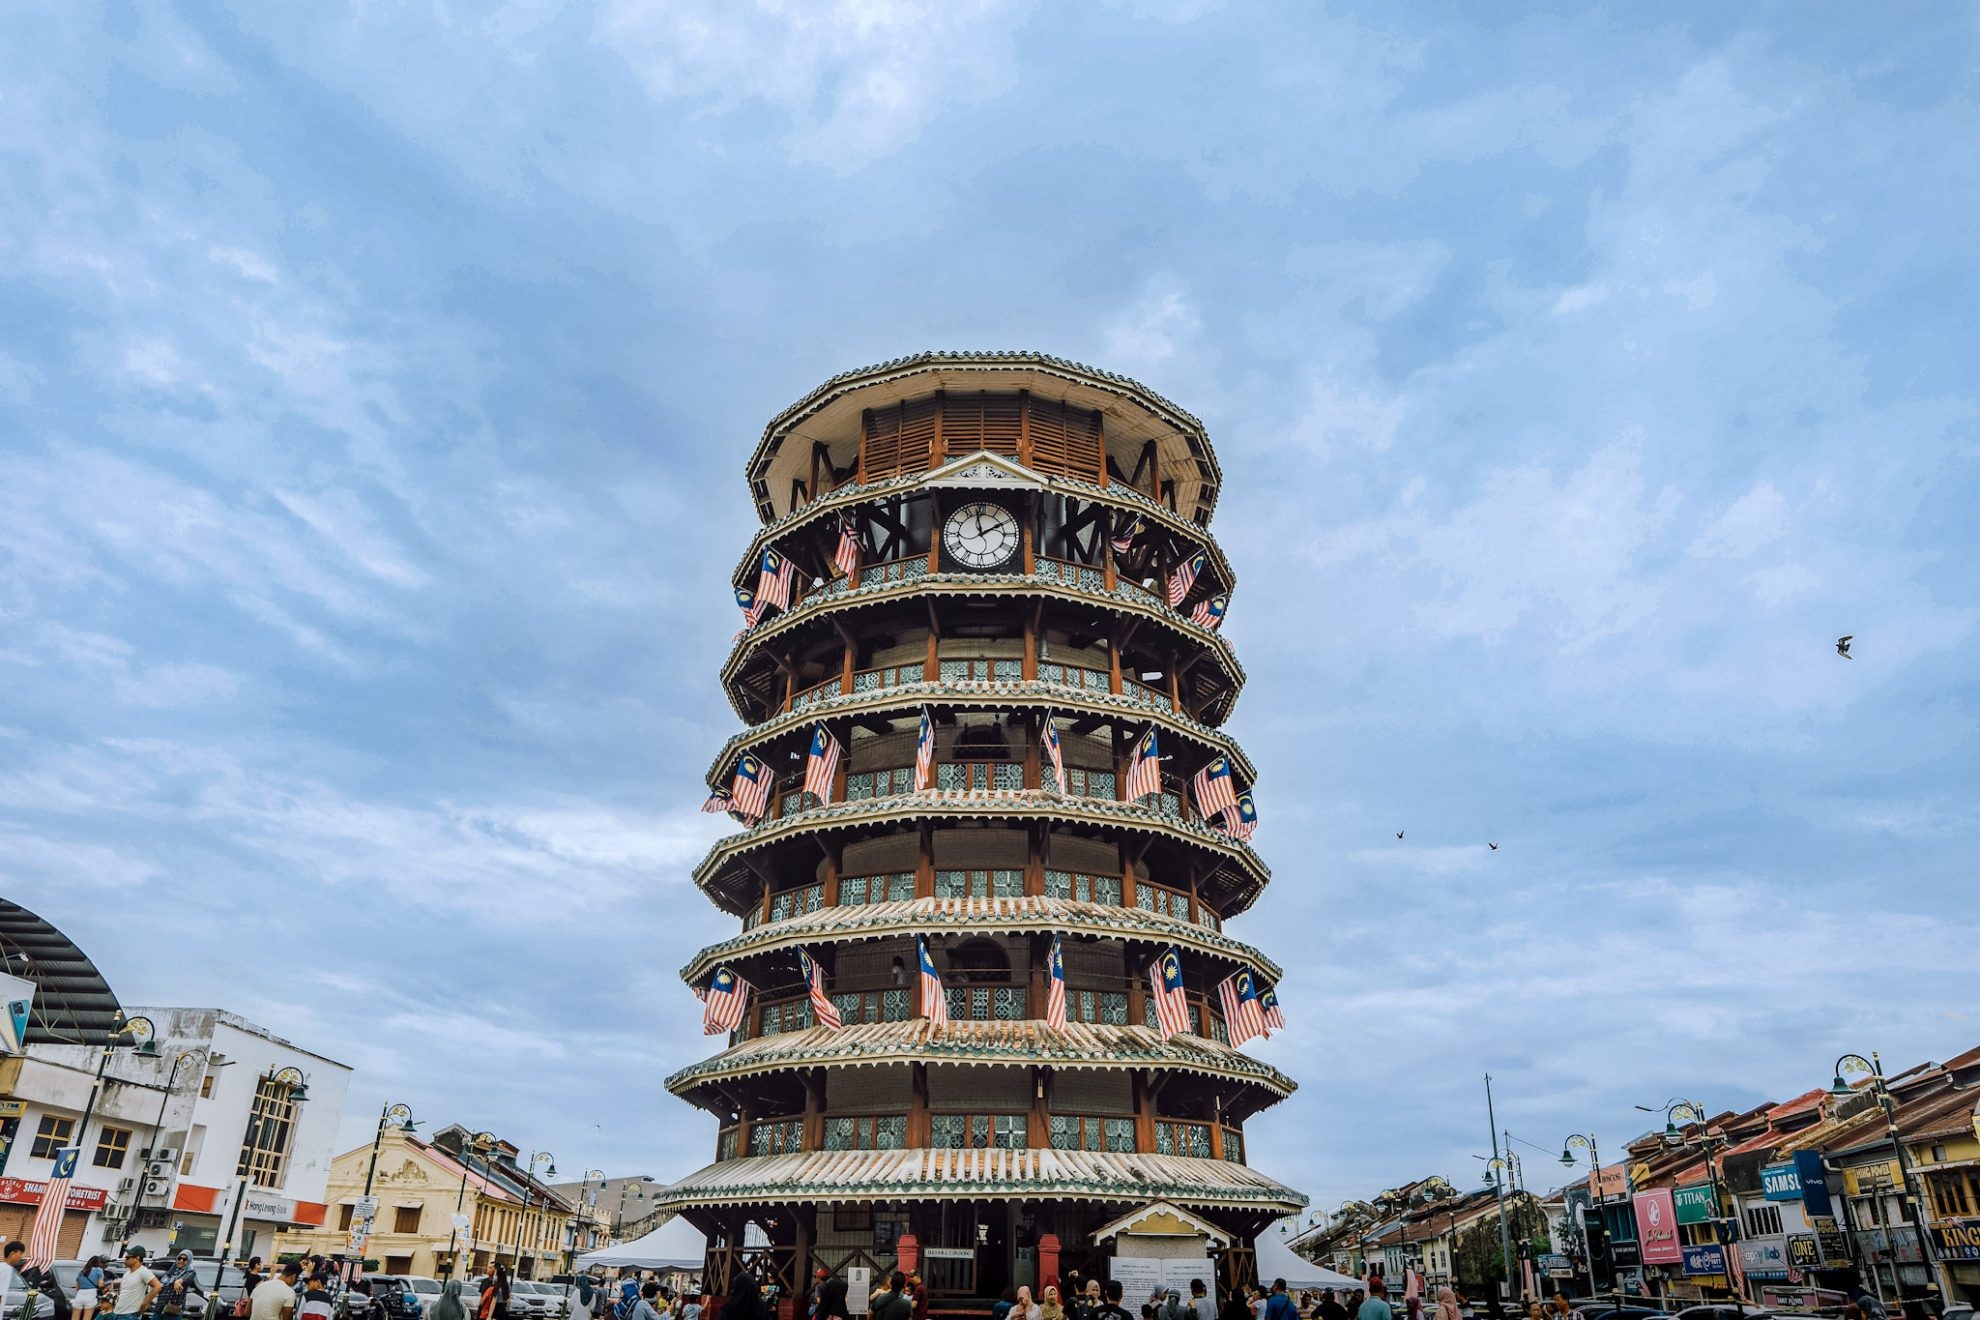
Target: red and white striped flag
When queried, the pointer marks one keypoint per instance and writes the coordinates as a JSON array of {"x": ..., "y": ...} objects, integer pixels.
[
  {"x": 1181, "y": 578},
  {"x": 1268, "y": 1005},
  {"x": 924, "y": 753},
  {"x": 1213, "y": 788},
  {"x": 749, "y": 796},
  {"x": 846, "y": 557},
  {"x": 823, "y": 1011},
  {"x": 717, "y": 801},
  {"x": 1242, "y": 1019},
  {"x": 774, "y": 579},
  {"x": 1171, "y": 1004},
  {"x": 821, "y": 768},
  {"x": 1209, "y": 612},
  {"x": 45, "y": 1238},
  {"x": 1055, "y": 988},
  {"x": 934, "y": 1000},
  {"x": 1053, "y": 750},
  {"x": 1144, "y": 774},
  {"x": 727, "y": 1000}
]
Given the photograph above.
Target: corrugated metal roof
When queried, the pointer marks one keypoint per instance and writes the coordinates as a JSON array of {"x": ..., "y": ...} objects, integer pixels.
[
  {"x": 73, "y": 1004},
  {"x": 970, "y": 916},
  {"x": 1083, "y": 1175},
  {"x": 1023, "y": 1042}
]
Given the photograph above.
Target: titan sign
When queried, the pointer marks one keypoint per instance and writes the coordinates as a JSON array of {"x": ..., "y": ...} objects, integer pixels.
[{"x": 1694, "y": 1203}]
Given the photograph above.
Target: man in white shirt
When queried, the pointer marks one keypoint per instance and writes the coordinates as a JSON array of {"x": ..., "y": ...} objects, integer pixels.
[
  {"x": 138, "y": 1288},
  {"x": 274, "y": 1298}
]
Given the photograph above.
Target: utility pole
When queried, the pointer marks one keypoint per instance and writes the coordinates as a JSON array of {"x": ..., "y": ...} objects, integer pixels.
[{"x": 1505, "y": 1237}]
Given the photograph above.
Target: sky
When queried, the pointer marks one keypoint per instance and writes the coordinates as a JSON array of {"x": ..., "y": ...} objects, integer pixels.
[{"x": 376, "y": 382}]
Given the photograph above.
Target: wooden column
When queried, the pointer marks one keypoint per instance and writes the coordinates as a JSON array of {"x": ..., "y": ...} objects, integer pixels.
[
  {"x": 806, "y": 1216},
  {"x": 1144, "y": 1113},
  {"x": 1038, "y": 1124},
  {"x": 924, "y": 863},
  {"x": 934, "y": 531},
  {"x": 865, "y": 429},
  {"x": 834, "y": 859},
  {"x": 1024, "y": 431},
  {"x": 1114, "y": 664},
  {"x": 848, "y": 658},
  {"x": 1034, "y": 765},
  {"x": 1217, "y": 1127},
  {"x": 1041, "y": 953},
  {"x": 1100, "y": 436},
  {"x": 1195, "y": 903},
  {"x": 1175, "y": 684},
  {"x": 938, "y": 446},
  {"x": 766, "y": 900},
  {"x": 1030, "y": 670},
  {"x": 814, "y": 1109},
  {"x": 918, "y": 1128},
  {"x": 1034, "y": 860},
  {"x": 1029, "y": 544}
]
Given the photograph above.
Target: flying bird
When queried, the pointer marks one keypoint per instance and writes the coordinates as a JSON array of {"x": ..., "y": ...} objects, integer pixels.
[
  {"x": 1842, "y": 646},
  {"x": 1398, "y": 834},
  {"x": 1493, "y": 846}
]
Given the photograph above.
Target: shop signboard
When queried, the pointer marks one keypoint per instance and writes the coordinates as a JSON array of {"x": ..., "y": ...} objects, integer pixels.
[
  {"x": 1782, "y": 1182},
  {"x": 1707, "y": 1258},
  {"x": 1764, "y": 1257},
  {"x": 1814, "y": 1178},
  {"x": 1694, "y": 1203},
  {"x": 1804, "y": 1252},
  {"x": 1958, "y": 1241},
  {"x": 1831, "y": 1239},
  {"x": 1656, "y": 1227},
  {"x": 27, "y": 1191},
  {"x": 1624, "y": 1255},
  {"x": 1614, "y": 1183},
  {"x": 1557, "y": 1266}
]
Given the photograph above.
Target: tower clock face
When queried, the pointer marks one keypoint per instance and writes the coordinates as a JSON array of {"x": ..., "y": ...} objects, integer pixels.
[{"x": 980, "y": 535}]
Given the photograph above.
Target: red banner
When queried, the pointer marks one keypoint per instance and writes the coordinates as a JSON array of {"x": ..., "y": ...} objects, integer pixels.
[
  {"x": 27, "y": 1191},
  {"x": 1657, "y": 1227}
]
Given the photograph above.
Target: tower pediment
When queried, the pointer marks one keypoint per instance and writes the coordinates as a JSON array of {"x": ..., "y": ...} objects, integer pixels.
[{"x": 984, "y": 468}]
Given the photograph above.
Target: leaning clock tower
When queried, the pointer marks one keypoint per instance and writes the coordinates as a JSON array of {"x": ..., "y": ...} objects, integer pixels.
[{"x": 1002, "y": 619}]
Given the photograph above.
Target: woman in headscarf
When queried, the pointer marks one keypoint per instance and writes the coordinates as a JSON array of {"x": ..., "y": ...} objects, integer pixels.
[
  {"x": 1447, "y": 1306},
  {"x": 1173, "y": 1309},
  {"x": 1050, "y": 1308},
  {"x": 1024, "y": 1308},
  {"x": 449, "y": 1306}
]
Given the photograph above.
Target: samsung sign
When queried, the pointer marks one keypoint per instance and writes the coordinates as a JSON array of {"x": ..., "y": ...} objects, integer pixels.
[{"x": 1801, "y": 1179}]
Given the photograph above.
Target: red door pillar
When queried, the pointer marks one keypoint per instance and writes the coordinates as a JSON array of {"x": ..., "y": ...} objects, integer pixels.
[
  {"x": 1048, "y": 1261},
  {"x": 907, "y": 1253}
]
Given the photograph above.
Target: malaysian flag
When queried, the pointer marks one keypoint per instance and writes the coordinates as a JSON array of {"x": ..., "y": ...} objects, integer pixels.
[
  {"x": 1243, "y": 823},
  {"x": 1171, "y": 1005},
  {"x": 846, "y": 557},
  {"x": 746, "y": 602},
  {"x": 773, "y": 583},
  {"x": 924, "y": 753},
  {"x": 727, "y": 999},
  {"x": 1144, "y": 774},
  {"x": 823, "y": 1011},
  {"x": 717, "y": 801},
  {"x": 1053, "y": 750},
  {"x": 1125, "y": 534},
  {"x": 1242, "y": 1018},
  {"x": 1268, "y": 1010},
  {"x": 1055, "y": 988},
  {"x": 45, "y": 1239},
  {"x": 1209, "y": 612},
  {"x": 934, "y": 1002},
  {"x": 1213, "y": 788},
  {"x": 822, "y": 766},
  {"x": 1181, "y": 578},
  {"x": 749, "y": 796}
]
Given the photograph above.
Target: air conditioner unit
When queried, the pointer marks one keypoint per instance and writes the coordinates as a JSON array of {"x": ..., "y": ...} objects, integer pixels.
[
  {"x": 158, "y": 1169},
  {"x": 166, "y": 1153},
  {"x": 156, "y": 1186},
  {"x": 113, "y": 1230},
  {"x": 125, "y": 1184}
]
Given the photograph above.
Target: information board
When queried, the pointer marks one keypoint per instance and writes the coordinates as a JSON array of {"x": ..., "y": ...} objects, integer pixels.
[
  {"x": 1142, "y": 1276},
  {"x": 859, "y": 1288}
]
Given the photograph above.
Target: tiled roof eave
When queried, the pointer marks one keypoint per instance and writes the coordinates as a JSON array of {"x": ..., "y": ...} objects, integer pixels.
[
  {"x": 988, "y": 692},
  {"x": 1126, "y": 497},
  {"x": 1029, "y": 914},
  {"x": 1022, "y": 1043},
  {"x": 838, "y": 595},
  {"x": 1024, "y": 804},
  {"x": 998, "y": 360}
]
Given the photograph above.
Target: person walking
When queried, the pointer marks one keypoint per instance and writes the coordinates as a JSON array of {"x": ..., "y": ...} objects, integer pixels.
[
  {"x": 1199, "y": 1301},
  {"x": 1447, "y": 1305},
  {"x": 1172, "y": 1308},
  {"x": 36, "y": 1277},
  {"x": 1330, "y": 1307},
  {"x": 139, "y": 1287},
  {"x": 893, "y": 1303},
  {"x": 1377, "y": 1306},
  {"x": 274, "y": 1298},
  {"x": 1092, "y": 1300},
  {"x": 1278, "y": 1306},
  {"x": 1111, "y": 1308},
  {"x": 832, "y": 1300}
]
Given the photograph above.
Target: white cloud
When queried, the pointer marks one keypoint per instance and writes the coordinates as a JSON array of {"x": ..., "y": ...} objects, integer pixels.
[{"x": 1161, "y": 323}]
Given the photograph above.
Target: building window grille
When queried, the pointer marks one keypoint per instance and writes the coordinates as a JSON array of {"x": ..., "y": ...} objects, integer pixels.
[
  {"x": 1188, "y": 1139},
  {"x": 982, "y": 670},
  {"x": 1075, "y": 676},
  {"x": 1763, "y": 1220},
  {"x": 979, "y": 884},
  {"x": 977, "y": 1131},
  {"x": 1107, "y": 1008},
  {"x": 872, "y": 1006},
  {"x": 987, "y": 1003},
  {"x": 776, "y": 1138},
  {"x": 51, "y": 1136},
  {"x": 870, "y": 1132},
  {"x": 899, "y": 570},
  {"x": 892, "y": 782},
  {"x": 979, "y": 776},
  {"x": 1233, "y": 1145},
  {"x": 789, "y": 1015},
  {"x": 1081, "y": 782},
  {"x": 1156, "y": 898},
  {"x": 855, "y": 890},
  {"x": 1083, "y": 888},
  {"x": 725, "y": 1144},
  {"x": 113, "y": 1144},
  {"x": 796, "y": 902},
  {"x": 271, "y": 1127},
  {"x": 1092, "y": 1132}
]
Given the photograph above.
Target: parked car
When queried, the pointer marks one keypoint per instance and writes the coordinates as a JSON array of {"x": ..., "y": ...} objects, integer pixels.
[
  {"x": 14, "y": 1299},
  {"x": 426, "y": 1291},
  {"x": 394, "y": 1297},
  {"x": 1724, "y": 1311}
]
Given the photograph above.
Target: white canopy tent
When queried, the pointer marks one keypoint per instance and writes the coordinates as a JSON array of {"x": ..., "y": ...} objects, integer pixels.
[
  {"x": 675, "y": 1245},
  {"x": 1278, "y": 1261}
]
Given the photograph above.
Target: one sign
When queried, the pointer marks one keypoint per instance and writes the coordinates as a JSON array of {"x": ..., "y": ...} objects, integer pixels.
[
  {"x": 17, "y": 992},
  {"x": 1709, "y": 1258},
  {"x": 1804, "y": 1252},
  {"x": 1782, "y": 1182},
  {"x": 859, "y": 1288},
  {"x": 1693, "y": 1202},
  {"x": 1656, "y": 1227},
  {"x": 1957, "y": 1241}
]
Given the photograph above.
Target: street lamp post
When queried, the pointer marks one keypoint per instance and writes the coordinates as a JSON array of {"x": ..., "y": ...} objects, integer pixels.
[
  {"x": 1586, "y": 1140},
  {"x": 1688, "y": 1112},
  {"x": 577, "y": 1226},
  {"x": 1913, "y": 1203},
  {"x": 536, "y": 1157},
  {"x": 478, "y": 1142}
]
